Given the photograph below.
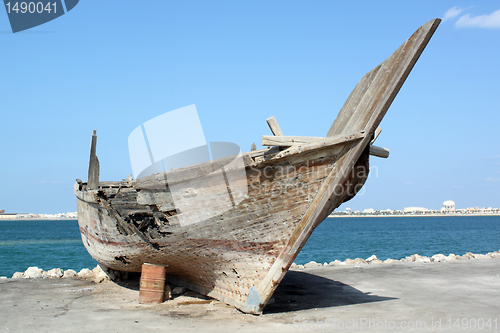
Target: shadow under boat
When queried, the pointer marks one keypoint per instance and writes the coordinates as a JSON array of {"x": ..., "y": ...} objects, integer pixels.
[
  {"x": 297, "y": 291},
  {"x": 303, "y": 291}
]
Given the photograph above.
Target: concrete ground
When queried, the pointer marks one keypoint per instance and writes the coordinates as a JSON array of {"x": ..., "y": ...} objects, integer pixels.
[{"x": 455, "y": 296}]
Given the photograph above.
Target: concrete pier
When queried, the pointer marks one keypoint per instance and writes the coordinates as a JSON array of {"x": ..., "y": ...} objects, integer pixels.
[{"x": 455, "y": 296}]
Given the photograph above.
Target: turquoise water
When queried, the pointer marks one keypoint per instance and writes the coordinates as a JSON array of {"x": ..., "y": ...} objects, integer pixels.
[
  {"x": 398, "y": 237},
  {"x": 43, "y": 243},
  {"x": 57, "y": 244}
]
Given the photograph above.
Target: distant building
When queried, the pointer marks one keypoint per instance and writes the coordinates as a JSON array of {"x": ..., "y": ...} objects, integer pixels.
[
  {"x": 448, "y": 206},
  {"x": 369, "y": 210},
  {"x": 414, "y": 209},
  {"x": 72, "y": 215},
  {"x": 8, "y": 215}
]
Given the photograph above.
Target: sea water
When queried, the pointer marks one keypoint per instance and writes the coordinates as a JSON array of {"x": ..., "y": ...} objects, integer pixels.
[
  {"x": 398, "y": 237},
  {"x": 57, "y": 244},
  {"x": 45, "y": 244}
]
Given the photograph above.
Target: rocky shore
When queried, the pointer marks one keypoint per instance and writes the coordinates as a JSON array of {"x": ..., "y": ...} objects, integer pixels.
[
  {"x": 373, "y": 260},
  {"x": 99, "y": 275}
]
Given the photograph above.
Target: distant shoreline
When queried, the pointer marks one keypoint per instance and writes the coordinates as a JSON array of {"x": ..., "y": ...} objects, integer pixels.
[
  {"x": 415, "y": 215},
  {"x": 329, "y": 216},
  {"x": 39, "y": 219}
]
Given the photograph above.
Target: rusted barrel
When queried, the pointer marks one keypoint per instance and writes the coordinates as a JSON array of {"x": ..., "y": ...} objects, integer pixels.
[{"x": 152, "y": 288}]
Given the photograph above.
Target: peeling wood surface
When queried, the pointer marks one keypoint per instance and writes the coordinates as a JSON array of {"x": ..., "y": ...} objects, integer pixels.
[{"x": 240, "y": 253}]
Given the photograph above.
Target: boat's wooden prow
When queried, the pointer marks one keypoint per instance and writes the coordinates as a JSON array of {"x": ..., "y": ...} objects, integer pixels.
[
  {"x": 372, "y": 96},
  {"x": 362, "y": 112}
]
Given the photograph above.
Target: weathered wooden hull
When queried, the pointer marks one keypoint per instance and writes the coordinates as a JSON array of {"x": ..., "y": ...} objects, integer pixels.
[
  {"x": 224, "y": 256},
  {"x": 239, "y": 254}
]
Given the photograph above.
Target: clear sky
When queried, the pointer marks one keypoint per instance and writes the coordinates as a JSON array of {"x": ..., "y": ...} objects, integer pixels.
[{"x": 112, "y": 65}]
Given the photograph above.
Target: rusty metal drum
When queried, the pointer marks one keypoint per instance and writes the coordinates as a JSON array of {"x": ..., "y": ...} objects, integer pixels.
[{"x": 152, "y": 287}]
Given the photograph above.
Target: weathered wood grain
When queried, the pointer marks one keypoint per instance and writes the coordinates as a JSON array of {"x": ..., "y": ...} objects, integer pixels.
[
  {"x": 379, "y": 151},
  {"x": 287, "y": 141},
  {"x": 326, "y": 143},
  {"x": 273, "y": 125}
]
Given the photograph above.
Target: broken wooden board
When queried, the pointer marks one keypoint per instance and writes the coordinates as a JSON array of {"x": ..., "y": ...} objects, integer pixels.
[{"x": 273, "y": 125}]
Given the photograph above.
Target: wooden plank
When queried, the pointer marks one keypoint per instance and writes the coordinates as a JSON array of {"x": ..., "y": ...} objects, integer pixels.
[
  {"x": 376, "y": 134},
  {"x": 326, "y": 143},
  {"x": 93, "y": 178},
  {"x": 352, "y": 101},
  {"x": 375, "y": 92},
  {"x": 379, "y": 151},
  {"x": 287, "y": 141},
  {"x": 273, "y": 125}
]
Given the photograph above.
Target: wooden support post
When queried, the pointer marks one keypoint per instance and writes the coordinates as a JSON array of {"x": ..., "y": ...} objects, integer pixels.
[{"x": 93, "y": 179}]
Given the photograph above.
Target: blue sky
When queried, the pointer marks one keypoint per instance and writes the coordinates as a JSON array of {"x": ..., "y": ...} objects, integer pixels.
[{"x": 112, "y": 65}]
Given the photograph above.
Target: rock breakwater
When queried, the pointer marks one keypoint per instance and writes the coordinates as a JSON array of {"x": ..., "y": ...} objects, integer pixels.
[
  {"x": 99, "y": 275},
  {"x": 373, "y": 260}
]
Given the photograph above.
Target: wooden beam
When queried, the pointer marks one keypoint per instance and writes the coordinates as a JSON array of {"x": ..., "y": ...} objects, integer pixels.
[
  {"x": 287, "y": 141},
  {"x": 379, "y": 151},
  {"x": 326, "y": 143},
  {"x": 93, "y": 179},
  {"x": 273, "y": 125}
]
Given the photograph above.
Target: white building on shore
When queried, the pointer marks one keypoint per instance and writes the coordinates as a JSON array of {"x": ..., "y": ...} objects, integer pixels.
[
  {"x": 448, "y": 206},
  {"x": 8, "y": 216},
  {"x": 414, "y": 209}
]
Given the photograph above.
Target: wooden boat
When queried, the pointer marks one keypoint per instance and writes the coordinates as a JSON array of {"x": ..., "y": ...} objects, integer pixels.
[{"x": 240, "y": 255}]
